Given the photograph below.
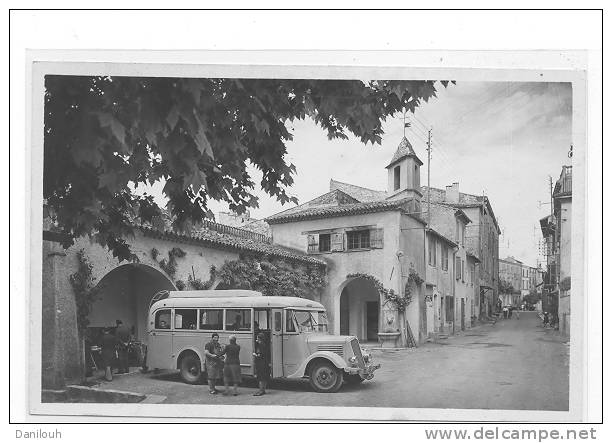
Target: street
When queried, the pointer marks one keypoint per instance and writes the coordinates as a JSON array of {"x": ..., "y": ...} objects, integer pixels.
[{"x": 514, "y": 364}]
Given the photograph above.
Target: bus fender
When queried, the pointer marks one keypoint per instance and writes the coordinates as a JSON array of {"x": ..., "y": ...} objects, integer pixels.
[
  {"x": 334, "y": 358},
  {"x": 195, "y": 351}
]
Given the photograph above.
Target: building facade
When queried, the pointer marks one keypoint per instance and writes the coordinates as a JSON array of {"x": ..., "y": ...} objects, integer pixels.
[
  {"x": 372, "y": 241},
  {"x": 481, "y": 237},
  {"x": 557, "y": 234},
  {"x": 511, "y": 272}
]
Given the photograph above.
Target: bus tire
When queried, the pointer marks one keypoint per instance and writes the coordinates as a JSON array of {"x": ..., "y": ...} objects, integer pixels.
[
  {"x": 353, "y": 379},
  {"x": 191, "y": 368},
  {"x": 325, "y": 377}
]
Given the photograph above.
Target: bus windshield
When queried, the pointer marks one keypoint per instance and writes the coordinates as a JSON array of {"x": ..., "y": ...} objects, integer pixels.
[{"x": 311, "y": 321}]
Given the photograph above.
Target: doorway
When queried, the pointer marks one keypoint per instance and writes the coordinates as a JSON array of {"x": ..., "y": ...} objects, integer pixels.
[{"x": 372, "y": 310}]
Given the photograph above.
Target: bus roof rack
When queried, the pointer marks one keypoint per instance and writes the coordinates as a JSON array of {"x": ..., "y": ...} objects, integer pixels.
[
  {"x": 215, "y": 293},
  {"x": 159, "y": 296}
]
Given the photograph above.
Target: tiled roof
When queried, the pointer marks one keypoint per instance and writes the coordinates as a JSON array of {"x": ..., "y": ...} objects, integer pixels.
[
  {"x": 338, "y": 210},
  {"x": 465, "y": 200},
  {"x": 404, "y": 150},
  {"x": 359, "y": 193},
  {"x": 443, "y": 237},
  {"x": 226, "y": 241}
]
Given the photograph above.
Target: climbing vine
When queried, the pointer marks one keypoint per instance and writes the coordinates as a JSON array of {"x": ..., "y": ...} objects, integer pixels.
[
  {"x": 85, "y": 289},
  {"x": 169, "y": 265},
  {"x": 390, "y": 296},
  {"x": 198, "y": 284},
  {"x": 271, "y": 277}
]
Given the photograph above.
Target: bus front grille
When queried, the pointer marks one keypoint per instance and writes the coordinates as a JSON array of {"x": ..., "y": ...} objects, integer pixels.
[
  {"x": 357, "y": 351},
  {"x": 337, "y": 349}
]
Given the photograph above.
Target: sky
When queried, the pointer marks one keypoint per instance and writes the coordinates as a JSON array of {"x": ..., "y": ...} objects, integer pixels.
[{"x": 502, "y": 139}]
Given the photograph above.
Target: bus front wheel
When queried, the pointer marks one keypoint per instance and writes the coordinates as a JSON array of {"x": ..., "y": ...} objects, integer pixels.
[
  {"x": 325, "y": 377},
  {"x": 190, "y": 367}
]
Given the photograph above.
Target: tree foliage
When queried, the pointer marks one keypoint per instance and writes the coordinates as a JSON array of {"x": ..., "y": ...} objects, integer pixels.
[
  {"x": 104, "y": 136},
  {"x": 505, "y": 287}
]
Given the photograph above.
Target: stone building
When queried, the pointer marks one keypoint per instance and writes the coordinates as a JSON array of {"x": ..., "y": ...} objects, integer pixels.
[
  {"x": 557, "y": 233},
  {"x": 372, "y": 242},
  {"x": 448, "y": 276},
  {"x": 166, "y": 260},
  {"x": 511, "y": 271},
  {"x": 482, "y": 238}
]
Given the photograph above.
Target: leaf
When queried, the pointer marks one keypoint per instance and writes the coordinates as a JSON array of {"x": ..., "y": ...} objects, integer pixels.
[
  {"x": 117, "y": 129},
  {"x": 197, "y": 179}
]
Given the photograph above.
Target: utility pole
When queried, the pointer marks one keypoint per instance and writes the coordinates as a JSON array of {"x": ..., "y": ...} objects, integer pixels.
[{"x": 428, "y": 174}]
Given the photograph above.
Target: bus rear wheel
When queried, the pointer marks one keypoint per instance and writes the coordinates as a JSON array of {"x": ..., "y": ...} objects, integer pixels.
[
  {"x": 191, "y": 369},
  {"x": 325, "y": 377}
]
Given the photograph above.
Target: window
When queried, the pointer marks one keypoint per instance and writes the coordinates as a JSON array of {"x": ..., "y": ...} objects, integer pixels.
[
  {"x": 185, "y": 318},
  {"x": 324, "y": 242},
  {"x": 459, "y": 232},
  {"x": 358, "y": 239},
  {"x": 289, "y": 324},
  {"x": 396, "y": 178},
  {"x": 211, "y": 319},
  {"x": 444, "y": 257},
  {"x": 432, "y": 251},
  {"x": 450, "y": 308},
  {"x": 463, "y": 271},
  {"x": 260, "y": 320},
  {"x": 162, "y": 319},
  {"x": 457, "y": 268},
  {"x": 238, "y": 320},
  {"x": 278, "y": 321}
]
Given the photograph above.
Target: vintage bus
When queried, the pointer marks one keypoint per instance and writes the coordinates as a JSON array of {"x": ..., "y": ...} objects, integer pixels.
[{"x": 182, "y": 322}]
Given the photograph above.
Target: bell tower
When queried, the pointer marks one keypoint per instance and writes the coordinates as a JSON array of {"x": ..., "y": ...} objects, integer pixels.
[{"x": 404, "y": 175}]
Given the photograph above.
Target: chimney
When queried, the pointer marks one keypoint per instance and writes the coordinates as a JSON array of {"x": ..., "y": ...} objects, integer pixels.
[{"x": 452, "y": 193}]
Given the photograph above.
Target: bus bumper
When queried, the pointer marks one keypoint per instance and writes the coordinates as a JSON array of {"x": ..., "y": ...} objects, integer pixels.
[{"x": 366, "y": 373}]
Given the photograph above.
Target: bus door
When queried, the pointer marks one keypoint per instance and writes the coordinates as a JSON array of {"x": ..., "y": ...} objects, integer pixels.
[
  {"x": 276, "y": 343},
  {"x": 159, "y": 348}
]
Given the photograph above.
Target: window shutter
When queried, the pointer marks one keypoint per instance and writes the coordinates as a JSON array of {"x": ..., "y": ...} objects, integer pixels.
[
  {"x": 313, "y": 243},
  {"x": 337, "y": 242},
  {"x": 376, "y": 238},
  {"x": 457, "y": 268}
]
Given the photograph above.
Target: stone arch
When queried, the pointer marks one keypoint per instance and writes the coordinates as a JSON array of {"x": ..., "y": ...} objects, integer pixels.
[
  {"x": 357, "y": 308},
  {"x": 125, "y": 293}
]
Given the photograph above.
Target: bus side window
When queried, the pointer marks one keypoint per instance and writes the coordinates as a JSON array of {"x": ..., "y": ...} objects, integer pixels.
[
  {"x": 162, "y": 319},
  {"x": 289, "y": 324},
  {"x": 278, "y": 321}
]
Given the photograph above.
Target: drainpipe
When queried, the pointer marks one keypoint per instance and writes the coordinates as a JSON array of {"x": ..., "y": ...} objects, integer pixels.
[
  {"x": 455, "y": 250},
  {"x": 401, "y": 315}
]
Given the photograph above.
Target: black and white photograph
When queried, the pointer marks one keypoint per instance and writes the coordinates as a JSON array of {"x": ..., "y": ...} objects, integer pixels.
[
  {"x": 217, "y": 239},
  {"x": 258, "y": 241}
]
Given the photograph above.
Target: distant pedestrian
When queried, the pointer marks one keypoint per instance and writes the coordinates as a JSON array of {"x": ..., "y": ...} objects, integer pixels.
[
  {"x": 214, "y": 364},
  {"x": 123, "y": 337},
  {"x": 262, "y": 363},
  {"x": 546, "y": 320},
  {"x": 231, "y": 367},
  {"x": 108, "y": 353},
  {"x": 517, "y": 314}
]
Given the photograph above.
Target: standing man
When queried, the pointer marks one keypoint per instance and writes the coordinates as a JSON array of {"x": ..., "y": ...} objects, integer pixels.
[
  {"x": 212, "y": 353},
  {"x": 123, "y": 336}
]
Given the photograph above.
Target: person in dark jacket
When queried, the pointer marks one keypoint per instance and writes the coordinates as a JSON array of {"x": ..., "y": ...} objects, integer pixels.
[
  {"x": 123, "y": 336},
  {"x": 262, "y": 364},
  {"x": 108, "y": 353},
  {"x": 231, "y": 367},
  {"x": 214, "y": 364}
]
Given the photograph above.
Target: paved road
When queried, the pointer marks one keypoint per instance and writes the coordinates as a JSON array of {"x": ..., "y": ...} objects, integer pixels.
[{"x": 515, "y": 364}]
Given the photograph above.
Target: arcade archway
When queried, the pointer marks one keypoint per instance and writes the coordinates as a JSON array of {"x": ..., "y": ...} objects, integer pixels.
[
  {"x": 124, "y": 294},
  {"x": 360, "y": 310}
]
